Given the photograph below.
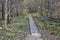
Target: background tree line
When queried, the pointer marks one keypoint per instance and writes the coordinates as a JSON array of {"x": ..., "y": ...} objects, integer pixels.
[{"x": 48, "y": 8}]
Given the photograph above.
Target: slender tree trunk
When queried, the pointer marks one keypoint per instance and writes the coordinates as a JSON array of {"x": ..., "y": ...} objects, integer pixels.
[
  {"x": 17, "y": 7},
  {"x": 5, "y": 22},
  {"x": 17, "y": 10},
  {"x": 58, "y": 16},
  {"x": 41, "y": 1},
  {"x": 50, "y": 13},
  {"x": 9, "y": 12},
  {"x": 3, "y": 13}
]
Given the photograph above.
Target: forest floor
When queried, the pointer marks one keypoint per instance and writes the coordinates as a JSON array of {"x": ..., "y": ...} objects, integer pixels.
[
  {"x": 17, "y": 30},
  {"x": 50, "y": 30}
]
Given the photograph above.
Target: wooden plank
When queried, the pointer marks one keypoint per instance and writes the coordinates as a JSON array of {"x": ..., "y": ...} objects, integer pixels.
[{"x": 33, "y": 28}]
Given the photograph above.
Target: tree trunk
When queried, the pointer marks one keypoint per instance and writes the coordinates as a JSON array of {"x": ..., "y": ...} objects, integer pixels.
[
  {"x": 9, "y": 12},
  {"x": 17, "y": 7},
  {"x": 50, "y": 9},
  {"x": 41, "y": 1},
  {"x": 5, "y": 22},
  {"x": 58, "y": 16},
  {"x": 3, "y": 12}
]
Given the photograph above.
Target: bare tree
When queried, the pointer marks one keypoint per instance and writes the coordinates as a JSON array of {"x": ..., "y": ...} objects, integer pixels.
[
  {"x": 31, "y": 5},
  {"x": 6, "y": 14},
  {"x": 17, "y": 4},
  {"x": 41, "y": 2},
  {"x": 9, "y": 12},
  {"x": 3, "y": 12}
]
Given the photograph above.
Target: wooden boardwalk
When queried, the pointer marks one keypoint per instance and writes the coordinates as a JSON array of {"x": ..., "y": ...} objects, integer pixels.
[
  {"x": 33, "y": 38},
  {"x": 33, "y": 27},
  {"x": 35, "y": 35}
]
